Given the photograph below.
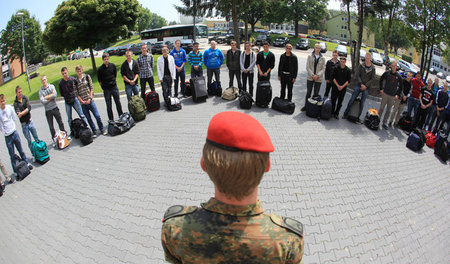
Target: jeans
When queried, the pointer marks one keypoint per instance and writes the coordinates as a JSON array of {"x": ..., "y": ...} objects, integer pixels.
[
  {"x": 167, "y": 87},
  {"x": 431, "y": 117},
  {"x": 11, "y": 141},
  {"x": 309, "y": 86},
  {"x": 338, "y": 96},
  {"x": 209, "y": 73},
  {"x": 356, "y": 91},
  {"x": 413, "y": 103},
  {"x": 131, "y": 89},
  {"x": 93, "y": 108},
  {"x": 195, "y": 73},
  {"x": 328, "y": 88},
  {"x": 107, "y": 93},
  {"x": 29, "y": 129},
  {"x": 150, "y": 82},
  {"x": 77, "y": 106},
  {"x": 57, "y": 115},
  {"x": 286, "y": 81},
  {"x": 180, "y": 76},
  {"x": 237, "y": 73},
  {"x": 389, "y": 101},
  {"x": 248, "y": 76}
]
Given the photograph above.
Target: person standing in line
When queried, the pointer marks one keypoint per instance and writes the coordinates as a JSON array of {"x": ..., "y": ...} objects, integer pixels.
[
  {"x": 195, "y": 59},
  {"x": 413, "y": 99},
  {"x": 179, "y": 55},
  {"x": 213, "y": 59},
  {"x": 247, "y": 62},
  {"x": 130, "y": 75},
  {"x": 442, "y": 109},
  {"x": 265, "y": 62},
  {"x": 145, "y": 62},
  {"x": 391, "y": 84},
  {"x": 329, "y": 68},
  {"x": 340, "y": 78},
  {"x": 287, "y": 72},
  {"x": 22, "y": 107},
  {"x": 106, "y": 75},
  {"x": 165, "y": 66},
  {"x": 234, "y": 65},
  {"x": 426, "y": 99},
  {"x": 399, "y": 105},
  {"x": 315, "y": 67}
]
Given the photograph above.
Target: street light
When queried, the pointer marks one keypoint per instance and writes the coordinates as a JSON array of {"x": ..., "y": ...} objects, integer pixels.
[{"x": 21, "y": 14}]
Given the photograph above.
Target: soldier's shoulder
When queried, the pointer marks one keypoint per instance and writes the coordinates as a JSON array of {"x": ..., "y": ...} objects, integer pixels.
[
  {"x": 288, "y": 223},
  {"x": 178, "y": 210}
]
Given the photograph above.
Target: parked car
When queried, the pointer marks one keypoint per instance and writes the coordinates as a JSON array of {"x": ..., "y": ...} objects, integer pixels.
[
  {"x": 187, "y": 45},
  {"x": 222, "y": 38},
  {"x": 342, "y": 50},
  {"x": 261, "y": 38},
  {"x": 157, "y": 47},
  {"x": 342, "y": 42},
  {"x": 432, "y": 71},
  {"x": 362, "y": 55},
  {"x": 291, "y": 34},
  {"x": 335, "y": 41},
  {"x": 440, "y": 75},
  {"x": 303, "y": 43},
  {"x": 376, "y": 59},
  {"x": 406, "y": 66},
  {"x": 448, "y": 79},
  {"x": 136, "y": 48},
  {"x": 323, "y": 46},
  {"x": 372, "y": 50},
  {"x": 281, "y": 41}
]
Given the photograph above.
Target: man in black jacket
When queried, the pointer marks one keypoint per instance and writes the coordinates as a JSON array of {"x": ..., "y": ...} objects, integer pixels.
[
  {"x": 340, "y": 78},
  {"x": 287, "y": 72},
  {"x": 106, "y": 75},
  {"x": 233, "y": 64},
  {"x": 265, "y": 61},
  {"x": 22, "y": 107},
  {"x": 329, "y": 68},
  {"x": 400, "y": 104},
  {"x": 389, "y": 91},
  {"x": 130, "y": 75}
]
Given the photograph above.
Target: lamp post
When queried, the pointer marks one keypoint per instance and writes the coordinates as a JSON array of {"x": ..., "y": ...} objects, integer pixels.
[{"x": 21, "y": 14}]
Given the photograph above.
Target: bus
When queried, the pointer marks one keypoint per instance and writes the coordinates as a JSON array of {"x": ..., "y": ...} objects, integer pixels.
[{"x": 172, "y": 33}]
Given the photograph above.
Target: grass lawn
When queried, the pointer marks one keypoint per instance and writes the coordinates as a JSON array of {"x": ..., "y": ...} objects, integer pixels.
[
  {"x": 53, "y": 73},
  {"x": 133, "y": 40}
]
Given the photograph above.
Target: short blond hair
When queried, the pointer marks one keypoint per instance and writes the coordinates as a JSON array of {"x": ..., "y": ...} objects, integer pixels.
[{"x": 78, "y": 67}]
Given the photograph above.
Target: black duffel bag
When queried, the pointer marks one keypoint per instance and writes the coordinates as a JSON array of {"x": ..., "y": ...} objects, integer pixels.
[
  {"x": 283, "y": 105},
  {"x": 125, "y": 123},
  {"x": 245, "y": 100}
]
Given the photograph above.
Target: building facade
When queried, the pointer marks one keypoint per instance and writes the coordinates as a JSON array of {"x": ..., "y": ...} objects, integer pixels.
[{"x": 10, "y": 69}]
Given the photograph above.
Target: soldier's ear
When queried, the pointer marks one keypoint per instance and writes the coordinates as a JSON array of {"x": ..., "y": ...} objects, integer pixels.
[
  {"x": 202, "y": 164},
  {"x": 267, "y": 167}
]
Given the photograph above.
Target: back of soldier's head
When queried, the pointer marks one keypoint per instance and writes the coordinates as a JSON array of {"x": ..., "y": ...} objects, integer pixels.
[{"x": 236, "y": 153}]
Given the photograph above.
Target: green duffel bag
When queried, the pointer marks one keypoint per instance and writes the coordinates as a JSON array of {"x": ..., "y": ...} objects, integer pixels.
[{"x": 136, "y": 106}]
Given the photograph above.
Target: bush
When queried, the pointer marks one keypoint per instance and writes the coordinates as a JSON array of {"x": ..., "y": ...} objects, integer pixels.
[
  {"x": 407, "y": 58},
  {"x": 313, "y": 42}
]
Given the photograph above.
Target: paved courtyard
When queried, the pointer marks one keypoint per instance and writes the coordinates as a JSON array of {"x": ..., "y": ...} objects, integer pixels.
[{"x": 362, "y": 196}]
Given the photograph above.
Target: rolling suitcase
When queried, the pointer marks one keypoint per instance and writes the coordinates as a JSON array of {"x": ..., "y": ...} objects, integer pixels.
[
  {"x": 152, "y": 101},
  {"x": 198, "y": 88},
  {"x": 353, "y": 114},
  {"x": 263, "y": 94},
  {"x": 283, "y": 105}
]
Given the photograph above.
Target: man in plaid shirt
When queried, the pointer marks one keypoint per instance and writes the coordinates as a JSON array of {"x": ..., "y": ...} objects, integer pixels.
[{"x": 145, "y": 62}]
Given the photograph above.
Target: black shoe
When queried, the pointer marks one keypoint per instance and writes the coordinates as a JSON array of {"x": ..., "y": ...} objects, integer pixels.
[
  {"x": 303, "y": 109},
  {"x": 344, "y": 116},
  {"x": 30, "y": 166},
  {"x": 11, "y": 180},
  {"x": 2, "y": 187},
  {"x": 385, "y": 127},
  {"x": 390, "y": 124},
  {"x": 358, "y": 121},
  {"x": 336, "y": 116}
]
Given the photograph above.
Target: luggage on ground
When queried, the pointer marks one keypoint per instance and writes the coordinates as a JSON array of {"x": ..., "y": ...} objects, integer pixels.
[
  {"x": 198, "y": 87},
  {"x": 187, "y": 89},
  {"x": 40, "y": 151},
  {"x": 372, "y": 120},
  {"x": 22, "y": 170},
  {"x": 430, "y": 139},
  {"x": 441, "y": 148},
  {"x": 230, "y": 93},
  {"x": 152, "y": 101},
  {"x": 415, "y": 140},
  {"x": 327, "y": 108},
  {"x": 85, "y": 136},
  {"x": 245, "y": 100},
  {"x": 313, "y": 106},
  {"x": 125, "y": 123},
  {"x": 173, "y": 104},
  {"x": 283, "y": 105},
  {"x": 215, "y": 89},
  {"x": 136, "y": 106},
  {"x": 127, "y": 120},
  {"x": 60, "y": 140},
  {"x": 114, "y": 128},
  {"x": 405, "y": 123},
  {"x": 263, "y": 94},
  {"x": 355, "y": 108},
  {"x": 76, "y": 125}
]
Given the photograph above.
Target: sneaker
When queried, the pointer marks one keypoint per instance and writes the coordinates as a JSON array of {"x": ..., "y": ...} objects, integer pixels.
[
  {"x": 2, "y": 186},
  {"x": 10, "y": 180},
  {"x": 54, "y": 144},
  {"x": 303, "y": 109},
  {"x": 385, "y": 127},
  {"x": 390, "y": 124},
  {"x": 69, "y": 137},
  {"x": 94, "y": 135},
  {"x": 105, "y": 132},
  {"x": 30, "y": 167},
  {"x": 336, "y": 116},
  {"x": 358, "y": 121}
]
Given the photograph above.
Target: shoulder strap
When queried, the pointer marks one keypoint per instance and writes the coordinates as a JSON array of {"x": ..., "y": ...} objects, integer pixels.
[
  {"x": 178, "y": 210},
  {"x": 288, "y": 223}
]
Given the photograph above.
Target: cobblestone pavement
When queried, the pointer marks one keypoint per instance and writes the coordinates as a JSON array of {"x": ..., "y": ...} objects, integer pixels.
[{"x": 362, "y": 195}]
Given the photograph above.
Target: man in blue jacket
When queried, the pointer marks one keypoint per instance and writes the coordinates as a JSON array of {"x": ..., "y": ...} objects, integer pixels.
[
  {"x": 179, "y": 55},
  {"x": 213, "y": 58}
]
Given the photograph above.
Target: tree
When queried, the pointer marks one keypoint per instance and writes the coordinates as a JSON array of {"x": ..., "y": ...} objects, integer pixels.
[
  {"x": 194, "y": 8},
  {"x": 85, "y": 23},
  {"x": 11, "y": 39},
  {"x": 145, "y": 18},
  {"x": 399, "y": 38},
  {"x": 173, "y": 23},
  {"x": 256, "y": 11},
  {"x": 158, "y": 21}
]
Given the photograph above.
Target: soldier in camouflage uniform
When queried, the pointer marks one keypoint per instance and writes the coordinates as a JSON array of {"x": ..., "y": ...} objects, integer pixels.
[{"x": 232, "y": 227}]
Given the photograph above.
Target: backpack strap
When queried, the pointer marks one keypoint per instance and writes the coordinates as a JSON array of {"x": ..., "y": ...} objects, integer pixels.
[
  {"x": 288, "y": 223},
  {"x": 178, "y": 210}
]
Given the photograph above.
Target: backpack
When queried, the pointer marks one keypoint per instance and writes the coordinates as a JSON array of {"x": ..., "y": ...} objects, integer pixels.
[
  {"x": 152, "y": 101},
  {"x": 245, "y": 100},
  {"x": 173, "y": 104},
  {"x": 230, "y": 93},
  {"x": 40, "y": 151},
  {"x": 136, "y": 105},
  {"x": 22, "y": 170},
  {"x": 60, "y": 140},
  {"x": 327, "y": 108},
  {"x": 313, "y": 106},
  {"x": 188, "y": 89},
  {"x": 441, "y": 147},
  {"x": 85, "y": 136},
  {"x": 430, "y": 139},
  {"x": 415, "y": 140},
  {"x": 76, "y": 125},
  {"x": 372, "y": 120},
  {"x": 405, "y": 123},
  {"x": 215, "y": 89}
]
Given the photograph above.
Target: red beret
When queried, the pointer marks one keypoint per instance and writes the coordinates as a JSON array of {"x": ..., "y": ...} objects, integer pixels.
[{"x": 236, "y": 131}]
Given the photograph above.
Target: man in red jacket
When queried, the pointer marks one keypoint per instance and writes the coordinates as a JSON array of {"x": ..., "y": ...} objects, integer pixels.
[{"x": 413, "y": 99}]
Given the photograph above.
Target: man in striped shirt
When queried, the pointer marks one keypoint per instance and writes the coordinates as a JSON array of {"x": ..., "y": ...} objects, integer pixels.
[
  {"x": 195, "y": 59},
  {"x": 145, "y": 62}
]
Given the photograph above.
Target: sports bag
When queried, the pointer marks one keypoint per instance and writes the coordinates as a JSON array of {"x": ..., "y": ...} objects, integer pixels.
[
  {"x": 441, "y": 146},
  {"x": 230, "y": 93},
  {"x": 405, "y": 123},
  {"x": 415, "y": 140},
  {"x": 76, "y": 127},
  {"x": 40, "y": 151},
  {"x": 245, "y": 100},
  {"x": 60, "y": 140},
  {"x": 430, "y": 139},
  {"x": 263, "y": 94},
  {"x": 372, "y": 120},
  {"x": 85, "y": 136},
  {"x": 136, "y": 105},
  {"x": 114, "y": 128},
  {"x": 173, "y": 104},
  {"x": 22, "y": 170},
  {"x": 127, "y": 120},
  {"x": 152, "y": 101},
  {"x": 283, "y": 105},
  {"x": 215, "y": 89},
  {"x": 327, "y": 108},
  {"x": 355, "y": 108},
  {"x": 313, "y": 106}
]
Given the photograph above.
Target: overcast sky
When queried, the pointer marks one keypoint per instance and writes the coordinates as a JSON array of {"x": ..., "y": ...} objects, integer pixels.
[{"x": 43, "y": 10}]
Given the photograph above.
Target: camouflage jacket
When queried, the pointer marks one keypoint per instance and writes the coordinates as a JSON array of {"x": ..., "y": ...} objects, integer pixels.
[{"x": 222, "y": 233}]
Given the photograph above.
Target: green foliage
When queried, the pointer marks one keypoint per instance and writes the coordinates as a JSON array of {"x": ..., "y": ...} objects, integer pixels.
[
  {"x": 53, "y": 59},
  {"x": 407, "y": 58},
  {"x": 145, "y": 18},
  {"x": 12, "y": 38},
  {"x": 157, "y": 21}
]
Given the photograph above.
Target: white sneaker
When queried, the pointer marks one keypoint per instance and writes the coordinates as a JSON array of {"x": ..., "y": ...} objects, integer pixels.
[
  {"x": 94, "y": 135},
  {"x": 105, "y": 132}
]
